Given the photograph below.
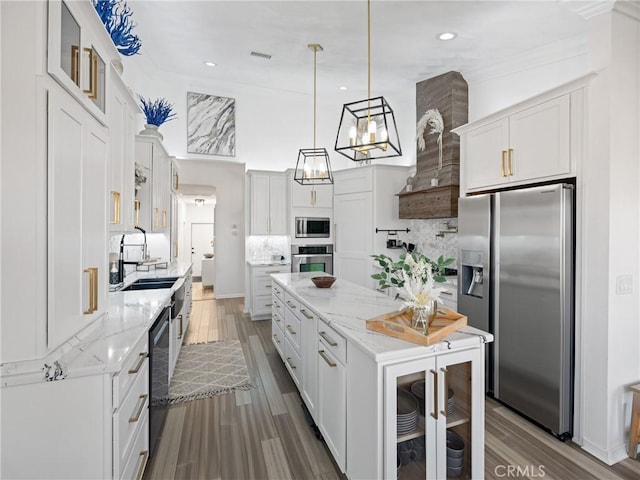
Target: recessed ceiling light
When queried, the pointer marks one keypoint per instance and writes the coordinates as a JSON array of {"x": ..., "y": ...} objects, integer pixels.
[
  {"x": 342, "y": 87},
  {"x": 210, "y": 64},
  {"x": 446, "y": 36}
]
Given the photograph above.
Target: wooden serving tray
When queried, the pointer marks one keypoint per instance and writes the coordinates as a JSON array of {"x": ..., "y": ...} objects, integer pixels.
[{"x": 398, "y": 324}]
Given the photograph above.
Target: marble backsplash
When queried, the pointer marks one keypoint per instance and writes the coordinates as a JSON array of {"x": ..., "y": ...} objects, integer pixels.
[
  {"x": 262, "y": 247},
  {"x": 424, "y": 234}
]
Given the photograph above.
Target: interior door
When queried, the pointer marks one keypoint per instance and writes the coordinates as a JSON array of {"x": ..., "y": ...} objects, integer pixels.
[{"x": 201, "y": 243}]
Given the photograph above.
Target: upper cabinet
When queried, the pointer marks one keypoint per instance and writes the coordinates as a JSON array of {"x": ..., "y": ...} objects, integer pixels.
[
  {"x": 535, "y": 141},
  {"x": 152, "y": 204},
  {"x": 122, "y": 116},
  {"x": 79, "y": 52},
  {"x": 268, "y": 203},
  {"x": 302, "y": 196}
]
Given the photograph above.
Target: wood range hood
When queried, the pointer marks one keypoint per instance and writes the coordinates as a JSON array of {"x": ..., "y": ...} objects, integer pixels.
[{"x": 421, "y": 199}]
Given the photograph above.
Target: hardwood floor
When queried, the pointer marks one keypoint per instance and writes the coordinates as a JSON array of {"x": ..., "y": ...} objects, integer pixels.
[{"x": 263, "y": 434}]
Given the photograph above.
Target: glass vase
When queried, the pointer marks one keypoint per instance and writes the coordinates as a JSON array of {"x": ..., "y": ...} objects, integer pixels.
[{"x": 423, "y": 316}]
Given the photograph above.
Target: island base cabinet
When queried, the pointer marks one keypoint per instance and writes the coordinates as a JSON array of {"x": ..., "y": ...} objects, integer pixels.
[
  {"x": 332, "y": 403},
  {"x": 448, "y": 438}
]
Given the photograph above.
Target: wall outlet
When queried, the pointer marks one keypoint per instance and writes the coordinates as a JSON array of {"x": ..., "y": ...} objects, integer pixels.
[{"x": 624, "y": 285}]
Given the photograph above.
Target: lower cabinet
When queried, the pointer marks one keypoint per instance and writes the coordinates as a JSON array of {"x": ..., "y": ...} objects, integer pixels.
[
  {"x": 332, "y": 402},
  {"x": 448, "y": 440},
  {"x": 260, "y": 285},
  {"x": 94, "y": 426}
]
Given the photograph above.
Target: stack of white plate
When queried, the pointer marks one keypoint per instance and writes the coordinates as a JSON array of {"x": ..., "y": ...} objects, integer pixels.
[
  {"x": 407, "y": 417},
  {"x": 451, "y": 402}
]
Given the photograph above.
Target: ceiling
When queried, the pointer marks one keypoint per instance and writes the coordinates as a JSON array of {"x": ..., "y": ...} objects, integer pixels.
[{"x": 179, "y": 36}]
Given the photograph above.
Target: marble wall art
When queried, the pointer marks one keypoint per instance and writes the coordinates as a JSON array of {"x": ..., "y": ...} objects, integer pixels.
[{"x": 211, "y": 124}]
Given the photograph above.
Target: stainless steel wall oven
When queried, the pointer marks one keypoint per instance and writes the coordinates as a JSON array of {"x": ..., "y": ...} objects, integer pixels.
[{"x": 312, "y": 258}]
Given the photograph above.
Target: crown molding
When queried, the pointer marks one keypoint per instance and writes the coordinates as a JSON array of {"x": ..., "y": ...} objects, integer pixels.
[
  {"x": 548, "y": 54},
  {"x": 591, "y": 8}
]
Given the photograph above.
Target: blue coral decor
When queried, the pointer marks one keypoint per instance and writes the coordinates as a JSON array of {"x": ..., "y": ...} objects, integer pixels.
[
  {"x": 117, "y": 19},
  {"x": 157, "y": 111}
]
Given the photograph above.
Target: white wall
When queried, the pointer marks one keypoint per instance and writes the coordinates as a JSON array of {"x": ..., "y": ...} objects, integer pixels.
[
  {"x": 228, "y": 179},
  {"x": 271, "y": 124}
]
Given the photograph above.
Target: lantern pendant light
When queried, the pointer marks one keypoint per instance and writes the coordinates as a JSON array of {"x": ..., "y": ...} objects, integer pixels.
[
  {"x": 367, "y": 129},
  {"x": 313, "y": 166}
]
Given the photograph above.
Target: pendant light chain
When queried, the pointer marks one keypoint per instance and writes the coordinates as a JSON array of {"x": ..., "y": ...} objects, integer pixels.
[
  {"x": 315, "y": 52},
  {"x": 368, "y": 62}
]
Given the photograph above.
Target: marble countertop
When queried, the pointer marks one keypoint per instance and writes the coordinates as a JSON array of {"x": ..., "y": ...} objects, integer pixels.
[
  {"x": 102, "y": 346},
  {"x": 347, "y": 306},
  {"x": 266, "y": 263}
]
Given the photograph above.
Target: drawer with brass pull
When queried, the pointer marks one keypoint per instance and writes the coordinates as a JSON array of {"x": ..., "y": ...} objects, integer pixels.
[
  {"x": 130, "y": 414},
  {"x": 134, "y": 465},
  {"x": 335, "y": 343},
  {"x": 131, "y": 369}
]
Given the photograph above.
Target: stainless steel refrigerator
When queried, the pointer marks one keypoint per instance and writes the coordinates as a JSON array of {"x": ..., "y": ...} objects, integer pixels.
[{"x": 516, "y": 280}]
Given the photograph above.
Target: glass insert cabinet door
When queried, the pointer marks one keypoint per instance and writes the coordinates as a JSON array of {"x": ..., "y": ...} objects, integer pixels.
[
  {"x": 74, "y": 59},
  {"x": 434, "y": 417}
]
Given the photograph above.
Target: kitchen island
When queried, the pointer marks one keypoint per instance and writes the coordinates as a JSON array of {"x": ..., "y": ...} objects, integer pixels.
[{"x": 352, "y": 381}]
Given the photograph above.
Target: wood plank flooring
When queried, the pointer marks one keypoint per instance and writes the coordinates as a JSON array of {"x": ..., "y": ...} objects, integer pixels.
[{"x": 262, "y": 433}]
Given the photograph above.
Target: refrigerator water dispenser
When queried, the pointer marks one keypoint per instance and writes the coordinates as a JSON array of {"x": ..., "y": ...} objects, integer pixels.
[{"x": 472, "y": 273}]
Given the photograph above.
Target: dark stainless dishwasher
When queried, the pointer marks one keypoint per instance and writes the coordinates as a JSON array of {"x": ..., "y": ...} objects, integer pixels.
[{"x": 158, "y": 376}]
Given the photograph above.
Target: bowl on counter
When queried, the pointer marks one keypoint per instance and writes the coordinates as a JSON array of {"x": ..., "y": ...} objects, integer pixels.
[
  {"x": 208, "y": 255},
  {"x": 324, "y": 281}
]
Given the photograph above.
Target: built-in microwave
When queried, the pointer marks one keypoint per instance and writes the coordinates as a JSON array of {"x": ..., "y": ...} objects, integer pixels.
[{"x": 313, "y": 227}]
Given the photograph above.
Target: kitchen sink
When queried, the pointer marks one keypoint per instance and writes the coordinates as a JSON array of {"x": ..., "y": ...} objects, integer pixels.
[{"x": 151, "y": 283}]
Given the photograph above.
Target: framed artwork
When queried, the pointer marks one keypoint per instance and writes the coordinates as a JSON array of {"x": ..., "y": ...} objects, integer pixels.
[{"x": 211, "y": 124}]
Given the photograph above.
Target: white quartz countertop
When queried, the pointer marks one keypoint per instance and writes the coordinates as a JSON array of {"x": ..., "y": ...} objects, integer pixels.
[
  {"x": 103, "y": 345},
  {"x": 266, "y": 263},
  {"x": 347, "y": 306}
]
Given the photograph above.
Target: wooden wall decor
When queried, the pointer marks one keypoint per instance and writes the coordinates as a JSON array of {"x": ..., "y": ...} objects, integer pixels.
[{"x": 448, "y": 94}]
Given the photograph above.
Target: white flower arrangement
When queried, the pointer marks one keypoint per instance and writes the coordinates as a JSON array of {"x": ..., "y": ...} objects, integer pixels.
[{"x": 419, "y": 286}]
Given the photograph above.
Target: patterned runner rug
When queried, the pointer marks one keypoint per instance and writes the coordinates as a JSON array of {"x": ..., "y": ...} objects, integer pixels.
[{"x": 207, "y": 369}]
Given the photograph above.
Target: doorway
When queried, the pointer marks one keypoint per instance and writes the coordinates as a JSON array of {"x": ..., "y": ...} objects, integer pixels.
[{"x": 202, "y": 249}]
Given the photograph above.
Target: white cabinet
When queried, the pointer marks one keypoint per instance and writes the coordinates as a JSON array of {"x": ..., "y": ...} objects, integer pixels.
[
  {"x": 77, "y": 226},
  {"x": 267, "y": 203},
  {"x": 260, "y": 299},
  {"x": 308, "y": 352},
  {"x": 93, "y": 426},
  {"x": 452, "y": 405},
  {"x": 538, "y": 140},
  {"x": 332, "y": 402},
  {"x": 301, "y": 196},
  {"x": 153, "y": 198},
  {"x": 79, "y": 53},
  {"x": 449, "y": 296},
  {"x": 122, "y": 117},
  {"x": 364, "y": 199}
]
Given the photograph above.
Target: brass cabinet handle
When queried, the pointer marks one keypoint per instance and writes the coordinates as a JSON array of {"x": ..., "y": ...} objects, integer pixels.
[
  {"x": 144, "y": 454},
  {"x": 181, "y": 327},
  {"x": 277, "y": 318},
  {"x": 293, "y": 367},
  {"x": 75, "y": 63},
  {"x": 136, "y": 208},
  {"x": 304, "y": 312},
  {"x": 434, "y": 414},
  {"x": 116, "y": 207},
  {"x": 276, "y": 338},
  {"x": 291, "y": 305},
  {"x": 90, "y": 91},
  {"x": 143, "y": 400},
  {"x": 268, "y": 285},
  {"x": 143, "y": 356},
  {"x": 175, "y": 248},
  {"x": 510, "y": 158},
  {"x": 328, "y": 339},
  {"x": 272, "y": 271},
  {"x": 444, "y": 391},
  {"x": 291, "y": 330},
  {"x": 504, "y": 152},
  {"x": 93, "y": 290},
  {"x": 164, "y": 219},
  {"x": 156, "y": 222},
  {"x": 327, "y": 359},
  {"x": 268, "y": 304},
  {"x": 176, "y": 182},
  {"x": 90, "y": 309},
  {"x": 445, "y": 292},
  {"x": 276, "y": 290}
]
